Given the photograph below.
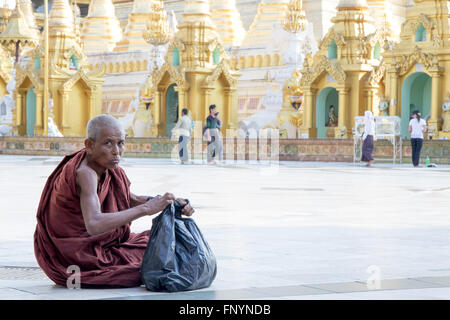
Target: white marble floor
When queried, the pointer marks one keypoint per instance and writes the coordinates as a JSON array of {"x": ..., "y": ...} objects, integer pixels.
[{"x": 310, "y": 230}]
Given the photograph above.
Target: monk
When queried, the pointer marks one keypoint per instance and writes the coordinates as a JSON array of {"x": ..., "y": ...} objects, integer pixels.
[{"x": 86, "y": 210}]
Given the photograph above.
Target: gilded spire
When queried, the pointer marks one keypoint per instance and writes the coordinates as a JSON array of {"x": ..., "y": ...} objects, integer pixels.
[
  {"x": 228, "y": 22},
  {"x": 27, "y": 9},
  {"x": 137, "y": 21},
  {"x": 101, "y": 29},
  {"x": 352, "y": 5},
  {"x": 61, "y": 18},
  {"x": 269, "y": 14},
  {"x": 142, "y": 6}
]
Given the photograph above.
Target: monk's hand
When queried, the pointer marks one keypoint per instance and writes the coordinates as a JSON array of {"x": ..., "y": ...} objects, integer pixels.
[
  {"x": 158, "y": 203},
  {"x": 187, "y": 210}
]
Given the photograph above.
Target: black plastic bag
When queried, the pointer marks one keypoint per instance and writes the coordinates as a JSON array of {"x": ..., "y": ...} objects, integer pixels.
[{"x": 177, "y": 257}]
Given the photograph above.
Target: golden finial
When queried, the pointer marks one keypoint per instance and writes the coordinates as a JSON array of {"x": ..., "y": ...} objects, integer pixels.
[{"x": 295, "y": 20}]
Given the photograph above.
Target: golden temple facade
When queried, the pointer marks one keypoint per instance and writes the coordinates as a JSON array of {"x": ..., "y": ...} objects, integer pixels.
[
  {"x": 74, "y": 90},
  {"x": 360, "y": 62}
]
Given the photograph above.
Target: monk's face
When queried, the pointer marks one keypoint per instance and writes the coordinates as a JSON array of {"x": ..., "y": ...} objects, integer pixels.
[{"x": 108, "y": 148}]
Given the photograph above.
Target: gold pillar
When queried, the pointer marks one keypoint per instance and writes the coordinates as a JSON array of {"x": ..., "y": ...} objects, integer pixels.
[
  {"x": 156, "y": 114},
  {"x": 229, "y": 109},
  {"x": 39, "y": 114},
  {"x": 433, "y": 123},
  {"x": 205, "y": 112},
  {"x": 181, "y": 100},
  {"x": 157, "y": 106},
  {"x": 307, "y": 130},
  {"x": 91, "y": 106},
  {"x": 65, "y": 103},
  {"x": 341, "y": 130},
  {"x": 18, "y": 110},
  {"x": 394, "y": 94}
]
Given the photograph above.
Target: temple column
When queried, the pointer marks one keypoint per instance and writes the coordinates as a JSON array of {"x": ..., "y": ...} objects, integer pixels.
[
  {"x": 156, "y": 114},
  {"x": 394, "y": 94},
  {"x": 91, "y": 106},
  {"x": 433, "y": 123},
  {"x": 204, "y": 113},
  {"x": 18, "y": 111},
  {"x": 64, "y": 115},
  {"x": 230, "y": 117},
  {"x": 38, "y": 127},
  {"x": 342, "y": 131},
  {"x": 307, "y": 130},
  {"x": 181, "y": 100}
]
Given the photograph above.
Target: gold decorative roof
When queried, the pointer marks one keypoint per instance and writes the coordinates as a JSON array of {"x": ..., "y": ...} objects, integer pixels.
[{"x": 18, "y": 30}]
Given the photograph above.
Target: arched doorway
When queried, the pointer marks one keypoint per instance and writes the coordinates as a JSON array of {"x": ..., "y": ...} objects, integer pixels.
[
  {"x": 326, "y": 99},
  {"x": 416, "y": 95},
  {"x": 31, "y": 111},
  {"x": 171, "y": 109}
]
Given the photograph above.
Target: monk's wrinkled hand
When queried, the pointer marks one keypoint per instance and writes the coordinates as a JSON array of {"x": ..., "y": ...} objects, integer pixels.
[
  {"x": 187, "y": 210},
  {"x": 158, "y": 203}
]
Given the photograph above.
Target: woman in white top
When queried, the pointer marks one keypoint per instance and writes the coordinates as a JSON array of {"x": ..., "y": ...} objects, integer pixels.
[
  {"x": 417, "y": 127},
  {"x": 183, "y": 126},
  {"x": 369, "y": 132}
]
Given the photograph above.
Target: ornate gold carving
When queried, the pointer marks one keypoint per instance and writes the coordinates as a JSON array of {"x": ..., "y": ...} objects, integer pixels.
[
  {"x": 178, "y": 74},
  {"x": 33, "y": 75},
  {"x": 427, "y": 59},
  {"x": 330, "y": 36},
  {"x": 222, "y": 68},
  {"x": 323, "y": 65},
  {"x": 377, "y": 74}
]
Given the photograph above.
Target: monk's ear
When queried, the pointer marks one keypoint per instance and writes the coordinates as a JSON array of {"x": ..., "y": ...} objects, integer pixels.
[{"x": 89, "y": 143}]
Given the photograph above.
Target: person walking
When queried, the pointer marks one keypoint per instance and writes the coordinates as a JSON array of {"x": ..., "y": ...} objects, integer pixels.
[
  {"x": 184, "y": 127},
  {"x": 369, "y": 132},
  {"x": 212, "y": 134},
  {"x": 417, "y": 127}
]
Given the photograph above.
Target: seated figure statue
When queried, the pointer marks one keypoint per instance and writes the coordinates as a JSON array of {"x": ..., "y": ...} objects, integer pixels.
[
  {"x": 85, "y": 212},
  {"x": 333, "y": 120}
]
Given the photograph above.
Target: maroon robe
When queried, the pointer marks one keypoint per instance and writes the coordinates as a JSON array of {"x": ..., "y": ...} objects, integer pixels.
[{"x": 110, "y": 259}]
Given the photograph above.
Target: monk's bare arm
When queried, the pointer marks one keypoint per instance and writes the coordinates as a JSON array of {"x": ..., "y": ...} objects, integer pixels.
[
  {"x": 97, "y": 222},
  {"x": 137, "y": 200}
]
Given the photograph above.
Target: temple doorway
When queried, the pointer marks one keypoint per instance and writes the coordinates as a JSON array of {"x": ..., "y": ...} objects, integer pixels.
[
  {"x": 327, "y": 110},
  {"x": 416, "y": 95},
  {"x": 171, "y": 109},
  {"x": 30, "y": 111}
]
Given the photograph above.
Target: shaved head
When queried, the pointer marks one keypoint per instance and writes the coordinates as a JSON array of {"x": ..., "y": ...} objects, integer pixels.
[{"x": 96, "y": 124}]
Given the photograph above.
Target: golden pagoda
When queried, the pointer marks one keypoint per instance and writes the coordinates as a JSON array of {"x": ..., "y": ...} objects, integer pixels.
[
  {"x": 18, "y": 33},
  {"x": 343, "y": 79},
  {"x": 196, "y": 74},
  {"x": 137, "y": 21},
  {"x": 101, "y": 28},
  {"x": 228, "y": 22},
  {"x": 27, "y": 9},
  {"x": 269, "y": 13},
  {"x": 75, "y": 91},
  {"x": 417, "y": 69},
  {"x": 5, "y": 13}
]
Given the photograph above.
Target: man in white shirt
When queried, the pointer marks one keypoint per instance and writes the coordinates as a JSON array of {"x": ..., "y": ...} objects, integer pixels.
[
  {"x": 184, "y": 127},
  {"x": 417, "y": 127}
]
